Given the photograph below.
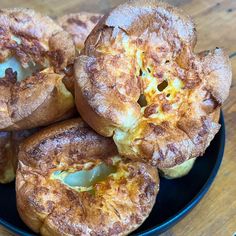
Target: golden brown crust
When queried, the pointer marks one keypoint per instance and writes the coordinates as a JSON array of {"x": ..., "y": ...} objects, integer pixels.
[
  {"x": 117, "y": 206},
  {"x": 79, "y": 25},
  {"x": 42, "y": 97},
  {"x": 9, "y": 147},
  {"x": 145, "y": 48},
  {"x": 184, "y": 168}
]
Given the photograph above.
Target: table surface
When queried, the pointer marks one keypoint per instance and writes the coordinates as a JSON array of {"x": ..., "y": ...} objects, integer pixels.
[{"x": 216, "y": 26}]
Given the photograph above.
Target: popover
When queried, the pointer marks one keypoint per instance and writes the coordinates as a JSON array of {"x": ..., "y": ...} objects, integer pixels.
[
  {"x": 79, "y": 25},
  {"x": 35, "y": 54},
  {"x": 185, "y": 167},
  {"x": 9, "y": 146},
  {"x": 139, "y": 81},
  {"x": 71, "y": 181}
]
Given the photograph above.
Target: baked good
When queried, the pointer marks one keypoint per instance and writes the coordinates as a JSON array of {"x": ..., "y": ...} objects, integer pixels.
[
  {"x": 139, "y": 81},
  {"x": 9, "y": 147},
  {"x": 79, "y": 25},
  {"x": 184, "y": 168},
  {"x": 71, "y": 181},
  {"x": 34, "y": 56}
]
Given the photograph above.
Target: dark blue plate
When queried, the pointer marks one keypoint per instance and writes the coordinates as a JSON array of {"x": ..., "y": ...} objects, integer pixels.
[{"x": 175, "y": 199}]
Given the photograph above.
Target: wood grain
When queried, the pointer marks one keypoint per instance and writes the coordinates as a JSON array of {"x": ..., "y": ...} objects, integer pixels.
[{"x": 216, "y": 26}]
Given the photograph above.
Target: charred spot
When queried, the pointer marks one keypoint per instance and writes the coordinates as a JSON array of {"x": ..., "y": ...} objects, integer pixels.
[
  {"x": 162, "y": 49},
  {"x": 57, "y": 58},
  {"x": 159, "y": 157},
  {"x": 77, "y": 22},
  {"x": 150, "y": 189},
  {"x": 71, "y": 195},
  {"x": 167, "y": 61},
  {"x": 10, "y": 75},
  {"x": 166, "y": 107},
  {"x": 116, "y": 229},
  {"x": 150, "y": 110},
  {"x": 158, "y": 129},
  {"x": 50, "y": 205},
  {"x": 91, "y": 67},
  {"x": 168, "y": 95},
  {"x": 19, "y": 17},
  {"x": 203, "y": 132},
  {"x": 95, "y": 19},
  {"x": 87, "y": 94},
  {"x": 155, "y": 58},
  {"x": 172, "y": 148},
  {"x": 135, "y": 218},
  {"x": 13, "y": 115},
  {"x": 139, "y": 42},
  {"x": 162, "y": 85},
  {"x": 165, "y": 124},
  {"x": 191, "y": 84},
  {"x": 149, "y": 70},
  {"x": 13, "y": 100},
  {"x": 158, "y": 75},
  {"x": 35, "y": 204}
]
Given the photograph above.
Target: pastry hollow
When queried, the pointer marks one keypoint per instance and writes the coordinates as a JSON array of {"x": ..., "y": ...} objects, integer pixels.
[
  {"x": 34, "y": 55},
  {"x": 51, "y": 203},
  {"x": 139, "y": 81}
]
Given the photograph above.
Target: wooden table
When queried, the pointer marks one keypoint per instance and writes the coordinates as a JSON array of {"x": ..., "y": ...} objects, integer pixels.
[{"x": 216, "y": 26}]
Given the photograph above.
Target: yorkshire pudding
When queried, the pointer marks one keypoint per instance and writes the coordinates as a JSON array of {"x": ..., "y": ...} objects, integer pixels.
[
  {"x": 34, "y": 55},
  {"x": 9, "y": 145},
  {"x": 71, "y": 181},
  {"x": 79, "y": 25},
  {"x": 139, "y": 80},
  {"x": 184, "y": 168}
]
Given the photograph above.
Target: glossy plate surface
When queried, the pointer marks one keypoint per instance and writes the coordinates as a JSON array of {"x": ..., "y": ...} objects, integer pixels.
[{"x": 175, "y": 199}]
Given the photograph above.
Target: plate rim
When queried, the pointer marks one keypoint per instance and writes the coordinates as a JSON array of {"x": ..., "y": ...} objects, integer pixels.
[{"x": 170, "y": 222}]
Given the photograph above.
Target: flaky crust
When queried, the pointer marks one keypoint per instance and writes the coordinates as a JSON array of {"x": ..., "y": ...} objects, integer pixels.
[
  {"x": 117, "y": 206},
  {"x": 145, "y": 49},
  {"x": 79, "y": 25},
  {"x": 41, "y": 98},
  {"x": 9, "y": 147}
]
